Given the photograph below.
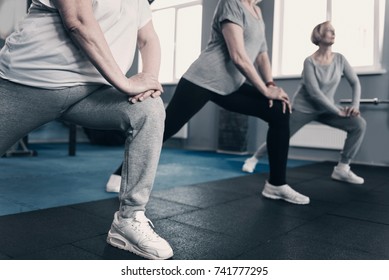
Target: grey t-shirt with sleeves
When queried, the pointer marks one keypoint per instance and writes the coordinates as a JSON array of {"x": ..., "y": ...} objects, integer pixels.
[
  {"x": 320, "y": 82},
  {"x": 214, "y": 69}
]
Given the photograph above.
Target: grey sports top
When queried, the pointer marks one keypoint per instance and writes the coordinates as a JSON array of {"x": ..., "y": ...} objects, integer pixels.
[
  {"x": 214, "y": 69},
  {"x": 319, "y": 83}
]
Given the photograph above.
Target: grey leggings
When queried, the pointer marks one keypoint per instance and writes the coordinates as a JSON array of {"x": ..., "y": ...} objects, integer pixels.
[
  {"x": 354, "y": 126},
  {"x": 24, "y": 108}
]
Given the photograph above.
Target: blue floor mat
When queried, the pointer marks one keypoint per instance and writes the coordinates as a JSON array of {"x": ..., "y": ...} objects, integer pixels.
[{"x": 55, "y": 179}]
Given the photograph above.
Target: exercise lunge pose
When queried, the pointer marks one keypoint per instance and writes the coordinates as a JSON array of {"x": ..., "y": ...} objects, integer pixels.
[
  {"x": 314, "y": 101},
  {"x": 234, "y": 72},
  {"x": 68, "y": 60}
]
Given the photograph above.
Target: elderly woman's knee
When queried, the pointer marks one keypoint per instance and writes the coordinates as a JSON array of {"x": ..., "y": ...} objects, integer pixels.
[
  {"x": 279, "y": 113},
  {"x": 360, "y": 124},
  {"x": 150, "y": 112},
  {"x": 154, "y": 109}
]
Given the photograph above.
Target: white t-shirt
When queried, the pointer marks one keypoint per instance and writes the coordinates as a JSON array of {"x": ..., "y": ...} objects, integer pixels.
[{"x": 41, "y": 54}]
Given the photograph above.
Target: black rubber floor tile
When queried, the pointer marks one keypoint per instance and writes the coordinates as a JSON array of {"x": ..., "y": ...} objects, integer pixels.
[
  {"x": 332, "y": 191},
  {"x": 193, "y": 243},
  {"x": 113, "y": 253},
  {"x": 247, "y": 219},
  {"x": 295, "y": 177},
  {"x": 371, "y": 174},
  {"x": 30, "y": 232},
  {"x": 376, "y": 213},
  {"x": 314, "y": 209},
  {"x": 384, "y": 187},
  {"x": 102, "y": 208},
  {"x": 249, "y": 184},
  {"x": 291, "y": 247},
  {"x": 307, "y": 173},
  {"x": 294, "y": 181},
  {"x": 320, "y": 169},
  {"x": 160, "y": 209},
  {"x": 359, "y": 235},
  {"x": 99, "y": 246},
  {"x": 65, "y": 252},
  {"x": 380, "y": 195},
  {"x": 4, "y": 257},
  {"x": 156, "y": 208},
  {"x": 201, "y": 197}
]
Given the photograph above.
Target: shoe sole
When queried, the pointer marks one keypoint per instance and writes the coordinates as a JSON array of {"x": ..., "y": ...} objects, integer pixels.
[
  {"x": 118, "y": 241},
  {"x": 345, "y": 181},
  {"x": 244, "y": 169},
  {"x": 271, "y": 196},
  {"x": 112, "y": 189}
]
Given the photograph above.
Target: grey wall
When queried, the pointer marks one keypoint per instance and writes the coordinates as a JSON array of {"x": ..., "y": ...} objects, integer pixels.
[{"x": 203, "y": 128}]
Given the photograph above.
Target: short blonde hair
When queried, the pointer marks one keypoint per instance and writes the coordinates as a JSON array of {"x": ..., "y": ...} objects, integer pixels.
[{"x": 316, "y": 35}]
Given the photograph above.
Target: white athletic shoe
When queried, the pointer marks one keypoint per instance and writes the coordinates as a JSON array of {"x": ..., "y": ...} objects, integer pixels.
[
  {"x": 346, "y": 175},
  {"x": 249, "y": 165},
  {"x": 284, "y": 192},
  {"x": 113, "y": 184},
  {"x": 136, "y": 235}
]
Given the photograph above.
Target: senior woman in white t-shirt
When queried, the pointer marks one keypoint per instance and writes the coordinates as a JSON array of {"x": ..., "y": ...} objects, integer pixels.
[{"x": 68, "y": 60}]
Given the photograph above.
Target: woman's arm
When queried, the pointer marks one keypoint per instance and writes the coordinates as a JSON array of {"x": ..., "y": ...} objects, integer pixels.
[
  {"x": 233, "y": 35},
  {"x": 352, "y": 78},
  {"x": 85, "y": 31},
  {"x": 150, "y": 49},
  {"x": 150, "y": 52},
  {"x": 264, "y": 66}
]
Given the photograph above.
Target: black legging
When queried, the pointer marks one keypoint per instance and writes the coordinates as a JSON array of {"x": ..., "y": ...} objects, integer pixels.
[{"x": 190, "y": 98}]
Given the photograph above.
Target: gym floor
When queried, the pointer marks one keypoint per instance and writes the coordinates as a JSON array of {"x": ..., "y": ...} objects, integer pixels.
[{"x": 54, "y": 207}]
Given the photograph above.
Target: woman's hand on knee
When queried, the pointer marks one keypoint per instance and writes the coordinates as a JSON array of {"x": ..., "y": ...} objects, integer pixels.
[
  {"x": 276, "y": 93},
  {"x": 143, "y": 84},
  {"x": 142, "y": 96},
  {"x": 353, "y": 112},
  {"x": 349, "y": 112}
]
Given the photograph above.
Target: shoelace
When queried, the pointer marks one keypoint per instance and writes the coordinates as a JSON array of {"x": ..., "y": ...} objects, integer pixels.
[{"x": 146, "y": 226}]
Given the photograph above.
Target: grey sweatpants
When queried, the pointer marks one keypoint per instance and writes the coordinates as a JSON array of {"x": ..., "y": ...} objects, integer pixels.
[
  {"x": 24, "y": 108},
  {"x": 354, "y": 126}
]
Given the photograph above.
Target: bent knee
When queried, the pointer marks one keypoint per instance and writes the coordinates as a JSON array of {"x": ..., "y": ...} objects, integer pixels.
[
  {"x": 152, "y": 108},
  {"x": 150, "y": 112},
  {"x": 360, "y": 124},
  {"x": 278, "y": 114}
]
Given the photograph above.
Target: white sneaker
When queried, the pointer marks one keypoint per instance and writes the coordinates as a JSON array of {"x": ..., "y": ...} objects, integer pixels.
[
  {"x": 249, "y": 165},
  {"x": 346, "y": 175},
  {"x": 284, "y": 192},
  {"x": 113, "y": 184},
  {"x": 136, "y": 235}
]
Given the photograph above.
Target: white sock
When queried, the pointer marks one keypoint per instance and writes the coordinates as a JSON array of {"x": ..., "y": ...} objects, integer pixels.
[{"x": 343, "y": 166}]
